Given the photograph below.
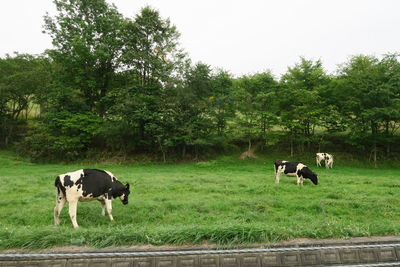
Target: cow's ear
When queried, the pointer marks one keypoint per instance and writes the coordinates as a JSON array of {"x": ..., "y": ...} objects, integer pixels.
[{"x": 127, "y": 186}]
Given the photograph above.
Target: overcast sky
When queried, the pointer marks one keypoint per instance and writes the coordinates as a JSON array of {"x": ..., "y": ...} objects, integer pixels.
[{"x": 242, "y": 37}]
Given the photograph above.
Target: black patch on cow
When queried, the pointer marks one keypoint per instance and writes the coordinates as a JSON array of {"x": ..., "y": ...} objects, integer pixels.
[
  {"x": 67, "y": 181},
  {"x": 79, "y": 181},
  {"x": 94, "y": 182}
]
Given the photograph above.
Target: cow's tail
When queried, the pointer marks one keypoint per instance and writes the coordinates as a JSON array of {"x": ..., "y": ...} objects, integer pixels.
[{"x": 58, "y": 185}]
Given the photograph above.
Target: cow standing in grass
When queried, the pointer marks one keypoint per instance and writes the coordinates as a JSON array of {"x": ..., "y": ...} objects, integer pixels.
[
  {"x": 328, "y": 158},
  {"x": 296, "y": 169},
  {"x": 86, "y": 185}
]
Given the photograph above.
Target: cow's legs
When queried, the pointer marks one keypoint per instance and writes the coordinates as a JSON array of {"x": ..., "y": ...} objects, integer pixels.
[
  {"x": 277, "y": 177},
  {"x": 318, "y": 162},
  {"x": 330, "y": 164},
  {"x": 72, "y": 212},
  {"x": 103, "y": 207},
  {"x": 60, "y": 201},
  {"x": 299, "y": 180},
  {"x": 109, "y": 208}
]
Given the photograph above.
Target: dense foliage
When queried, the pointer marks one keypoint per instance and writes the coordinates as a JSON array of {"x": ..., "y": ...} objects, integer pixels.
[{"x": 116, "y": 84}]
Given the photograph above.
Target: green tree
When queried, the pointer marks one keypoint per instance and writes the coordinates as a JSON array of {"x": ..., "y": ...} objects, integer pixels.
[
  {"x": 221, "y": 102},
  {"x": 87, "y": 45},
  {"x": 151, "y": 67},
  {"x": 369, "y": 92},
  {"x": 255, "y": 104},
  {"x": 151, "y": 49},
  {"x": 300, "y": 103},
  {"x": 194, "y": 123},
  {"x": 22, "y": 79}
]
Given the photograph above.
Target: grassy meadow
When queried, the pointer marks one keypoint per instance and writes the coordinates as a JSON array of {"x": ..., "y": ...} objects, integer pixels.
[{"x": 226, "y": 201}]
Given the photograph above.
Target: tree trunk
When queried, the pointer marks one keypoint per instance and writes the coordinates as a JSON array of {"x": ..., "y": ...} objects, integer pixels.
[
  {"x": 291, "y": 145},
  {"x": 8, "y": 136},
  {"x": 387, "y": 138},
  {"x": 374, "y": 130},
  {"x": 196, "y": 152},
  {"x": 183, "y": 151},
  {"x": 375, "y": 156}
]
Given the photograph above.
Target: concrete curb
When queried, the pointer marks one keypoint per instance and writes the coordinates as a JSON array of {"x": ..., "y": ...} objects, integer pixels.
[{"x": 379, "y": 251}]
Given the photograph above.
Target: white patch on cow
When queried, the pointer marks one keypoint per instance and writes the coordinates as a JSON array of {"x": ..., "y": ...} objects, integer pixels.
[
  {"x": 111, "y": 175},
  {"x": 74, "y": 176},
  {"x": 90, "y": 197}
]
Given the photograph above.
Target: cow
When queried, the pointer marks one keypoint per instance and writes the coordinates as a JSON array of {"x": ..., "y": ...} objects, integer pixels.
[
  {"x": 86, "y": 185},
  {"x": 296, "y": 169},
  {"x": 328, "y": 158}
]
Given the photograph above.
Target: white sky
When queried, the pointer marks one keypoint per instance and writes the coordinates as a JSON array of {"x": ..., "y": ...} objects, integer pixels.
[{"x": 242, "y": 37}]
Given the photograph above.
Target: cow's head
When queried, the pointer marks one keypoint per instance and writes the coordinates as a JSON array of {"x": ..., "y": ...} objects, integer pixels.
[
  {"x": 314, "y": 178},
  {"x": 125, "y": 194},
  {"x": 307, "y": 173}
]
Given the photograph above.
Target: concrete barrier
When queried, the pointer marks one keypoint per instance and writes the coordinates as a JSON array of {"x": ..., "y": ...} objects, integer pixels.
[{"x": 363, "y": 252}]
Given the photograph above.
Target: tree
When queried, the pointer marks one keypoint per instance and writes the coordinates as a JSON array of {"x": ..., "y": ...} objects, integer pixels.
[
  {"x": 151, "y": 49},
  {"x": 87, "y": 39},
  {"x": 151, "y": 61},
  {"x": 369, "y": 91},
  {"x": 194, "y": 122},
  {"x": 22, "y": 79},
  {"x": 300, "y": 105},
  {"x": 221, "y": 102},
  {"x": 255, "y": 98}
]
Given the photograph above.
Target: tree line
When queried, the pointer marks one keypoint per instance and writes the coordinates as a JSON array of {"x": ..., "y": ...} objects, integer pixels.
[{"x": 124, "y": 85}]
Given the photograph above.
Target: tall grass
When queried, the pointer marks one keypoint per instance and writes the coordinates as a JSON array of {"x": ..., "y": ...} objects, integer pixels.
[{"x": 225, "y": 201}]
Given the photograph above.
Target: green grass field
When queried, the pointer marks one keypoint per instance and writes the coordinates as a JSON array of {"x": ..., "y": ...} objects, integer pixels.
[{"x": 225, "y": 201}]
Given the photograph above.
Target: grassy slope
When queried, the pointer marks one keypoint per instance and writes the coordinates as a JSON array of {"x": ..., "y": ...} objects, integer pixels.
[{"x": 226, "y": 201}]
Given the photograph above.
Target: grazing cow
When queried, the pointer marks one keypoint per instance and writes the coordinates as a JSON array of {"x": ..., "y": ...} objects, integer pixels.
[
  {"x": 328, "y": 158},
  {"x": 297, "y": 169},
  {"x": 86, "y": 185}
]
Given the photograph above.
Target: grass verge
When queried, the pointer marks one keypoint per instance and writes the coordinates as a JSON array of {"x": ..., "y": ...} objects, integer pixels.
[{"x": 224, "y": 201}]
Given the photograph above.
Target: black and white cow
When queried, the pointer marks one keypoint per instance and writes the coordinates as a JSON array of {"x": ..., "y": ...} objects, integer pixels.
[
  {"x": 86, "y": 185},
  {"x": 328, "y": 158},
  {"x": 296, "y": 169}
]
